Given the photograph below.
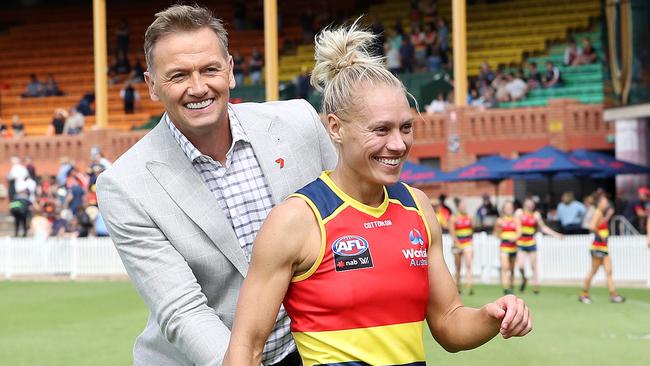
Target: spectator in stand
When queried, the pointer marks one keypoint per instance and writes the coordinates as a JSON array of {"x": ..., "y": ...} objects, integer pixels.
[
  {"x": 438, "y": 105},
  {"x": 407, "y": 54},
  {"x": 59, "y": 224},
  {"x": 17, "y": 175},
  {"x": 39, "y": 227},
  {"x": 486, "y": 214},
  {"x": 488, "y": 100},
  {"x": 572, "y": 52},
  {"x": 137, "y": 73},
  {"x": 51, "y": 88},
  {"x": 82, "y": 222},
  {"x": 58, "y": 122},
  {"x": 238, "y": 64},
  {"x": 378, "y": 30},
  {"x": 120, "y": 69},
  {"x": 85, "y": 104},
  {"x": 65, "y": 165},
  {"x": 636, "y": 211},
  {"x": 129, "y": 96},
  {"x": 100, "y": 159},
  {"x": 122, "y": 35},
  {"x": 473, "y": 98},
  {"x": 74, "y": 124},
  {"x": 34, "y": 88},
  {"x": 553, "y": 77},
  {"x": 399, "y": 31},
  {"x": 443, "y": 34},
  {"x": 417, "y": 37},
  {"x": 571, "y": 213},
  {"x": 500, "y": 85},
  {"x": 415, "y": 14},
  {"x": 588, "y": 55},
  {"x": 255, "y": 65},
  {"x": 429, "y": 12},
  {"x": 20, "y": 208},
  {"x": 485, "y": 73},
  {"x": 301, "y": 82},
  {"x": 29, "y": 165},
  {"x": 434, "y": 59},
  {"x": 17, "y": 126},
  {"x": 534, "y": 76},
  {"x": 517, "y": 88},
  {"x": 431, "y": 37},
  {"x": 4, "y": 129},
  {"x": 393, "y": 62}
]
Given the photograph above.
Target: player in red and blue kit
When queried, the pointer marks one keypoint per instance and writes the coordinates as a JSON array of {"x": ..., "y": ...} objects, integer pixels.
[
  {"x": 356, "y": 255},
  {"x": 600, "y": 252},
  {"x": 530, "y": 220}
]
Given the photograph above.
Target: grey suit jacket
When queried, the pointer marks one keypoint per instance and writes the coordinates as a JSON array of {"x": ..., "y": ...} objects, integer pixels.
[{"x": 178, "y": 248}]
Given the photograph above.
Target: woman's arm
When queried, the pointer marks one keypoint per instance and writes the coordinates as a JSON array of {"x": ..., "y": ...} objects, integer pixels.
[
  {"x": 595, "y": 221},
  {"x": 544, "y": 228},
  {"x": 453, "y": 325},
  {"x": 452, "y": 230},
  {"x": 288, "y": 243},
  {"x": 496, "y": 231}
]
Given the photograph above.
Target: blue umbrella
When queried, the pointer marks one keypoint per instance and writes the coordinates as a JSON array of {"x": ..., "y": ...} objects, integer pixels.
[
  {"x": 487, "y": 168},
  {"x": 607, "y": 165},
  {"x": 414, "y": 173},
  {"x": 547, "y": 161}
]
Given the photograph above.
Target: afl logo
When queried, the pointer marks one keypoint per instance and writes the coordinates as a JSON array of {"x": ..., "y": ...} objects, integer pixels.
[
  {"x": 415, "y": 237},
  {"x": 350, "y": 245}
]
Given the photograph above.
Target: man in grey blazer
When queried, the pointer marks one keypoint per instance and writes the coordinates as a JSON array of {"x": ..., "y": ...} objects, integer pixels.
[{"x": 183, "y": 205}]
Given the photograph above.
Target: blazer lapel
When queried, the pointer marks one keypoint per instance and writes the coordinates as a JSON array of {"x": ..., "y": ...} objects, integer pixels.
[
  {"x": 273, "y": 152},
  {"x": 175, "y": 173}
]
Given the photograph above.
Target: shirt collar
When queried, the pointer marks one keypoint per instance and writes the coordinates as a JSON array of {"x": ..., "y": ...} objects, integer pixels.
[{"x": 192, "y": 153}]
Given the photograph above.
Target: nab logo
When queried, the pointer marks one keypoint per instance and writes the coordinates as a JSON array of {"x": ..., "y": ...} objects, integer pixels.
[
  {"x": 350, "y": 245},
  {"x": 415, "y": 237}
]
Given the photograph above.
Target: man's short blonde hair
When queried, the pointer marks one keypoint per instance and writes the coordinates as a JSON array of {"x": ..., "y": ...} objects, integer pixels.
[{"x": 182, "y": 18}]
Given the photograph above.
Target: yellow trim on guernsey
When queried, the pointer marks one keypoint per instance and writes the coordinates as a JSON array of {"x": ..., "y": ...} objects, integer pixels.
[
  {"x": 321, "y": 254},
  {"x": 372, "y": 211},
  {"x": 374, "y": 345}
]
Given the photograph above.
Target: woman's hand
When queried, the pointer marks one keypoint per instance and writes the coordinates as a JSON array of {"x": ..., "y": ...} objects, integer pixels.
[{"x": 514, "y": 315}]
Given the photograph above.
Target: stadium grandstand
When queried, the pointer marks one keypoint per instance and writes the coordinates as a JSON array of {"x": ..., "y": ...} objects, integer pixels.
[{"x": 537, "y": 73}]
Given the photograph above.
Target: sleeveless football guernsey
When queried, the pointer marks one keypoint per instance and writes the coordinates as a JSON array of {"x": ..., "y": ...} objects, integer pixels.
[{"x": 364, "y": 301}]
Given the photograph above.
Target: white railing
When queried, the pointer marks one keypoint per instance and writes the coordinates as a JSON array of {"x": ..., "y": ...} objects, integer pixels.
[
  {"x": 560, "y": 260},
  {"x": 59, "y": 256}
]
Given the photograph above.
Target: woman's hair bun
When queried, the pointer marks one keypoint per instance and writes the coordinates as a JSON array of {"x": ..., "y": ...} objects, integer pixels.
[{"x": 338, "y": 49}]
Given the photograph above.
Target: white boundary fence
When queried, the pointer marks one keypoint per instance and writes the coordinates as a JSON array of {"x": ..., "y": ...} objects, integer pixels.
[{"x": 560, "y": 260}]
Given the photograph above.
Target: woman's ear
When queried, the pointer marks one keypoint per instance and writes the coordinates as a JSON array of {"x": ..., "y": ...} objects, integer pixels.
[{"x": 335, "y": 128}]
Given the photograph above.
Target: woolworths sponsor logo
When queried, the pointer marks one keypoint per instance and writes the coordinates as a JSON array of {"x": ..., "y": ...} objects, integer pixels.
[{"x": 416, "y": 257}]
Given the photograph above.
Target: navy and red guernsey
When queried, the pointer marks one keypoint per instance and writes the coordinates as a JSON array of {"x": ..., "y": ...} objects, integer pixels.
[{"x": 364, "y": 301}]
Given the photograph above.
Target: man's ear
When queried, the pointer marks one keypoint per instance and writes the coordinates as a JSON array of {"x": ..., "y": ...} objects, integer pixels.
[
  {"x": 231, "y": 75},
  {"x": 148, "y": 78},
  {"x": 335, "y": 128}
]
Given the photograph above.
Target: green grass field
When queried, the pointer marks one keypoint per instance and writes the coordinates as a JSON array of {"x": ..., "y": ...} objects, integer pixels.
[{"x": 95, "y": 323}]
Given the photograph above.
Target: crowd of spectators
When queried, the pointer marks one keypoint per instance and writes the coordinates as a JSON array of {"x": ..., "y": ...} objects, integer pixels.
[
  {"x": 15, "y": 130},
  {"x": 55, "y": 206},
  {"x": 424, "y": 48},
  {"x": 36, "y": 88}
]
